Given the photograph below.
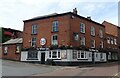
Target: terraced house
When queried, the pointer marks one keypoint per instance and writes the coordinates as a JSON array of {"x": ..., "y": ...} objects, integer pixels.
[
  {"x": 111, "y": 42},
  {"x": 65, "y": 38}
]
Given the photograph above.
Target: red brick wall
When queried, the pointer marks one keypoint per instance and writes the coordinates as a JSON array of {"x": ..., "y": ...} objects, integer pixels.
[
  {"x": 44, "y": 30},
  {"x": 67, "y": 26},
  {"x": 11, "y": 53},
  {"x": 75, "y": 27}
]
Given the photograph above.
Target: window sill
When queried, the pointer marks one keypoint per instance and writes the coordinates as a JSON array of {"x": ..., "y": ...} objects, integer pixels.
[
  {"x": 34, "y": 34},
  {"x": 54, "y": 31},
  {"x": 32, "y": 58},
  {"x": 82, "y": 59}
]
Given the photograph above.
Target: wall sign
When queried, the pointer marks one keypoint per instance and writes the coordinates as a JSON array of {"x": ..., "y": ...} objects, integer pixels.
[{"x": 42, "y": 41}]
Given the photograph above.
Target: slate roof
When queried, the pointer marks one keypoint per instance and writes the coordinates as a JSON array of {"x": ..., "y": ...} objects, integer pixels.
[{"x": 14, "y": 41}]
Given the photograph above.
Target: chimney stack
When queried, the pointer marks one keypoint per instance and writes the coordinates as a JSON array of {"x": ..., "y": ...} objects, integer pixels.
[
  {"x": 75, "y": 11},
  {"x": 89, "y": 18}
]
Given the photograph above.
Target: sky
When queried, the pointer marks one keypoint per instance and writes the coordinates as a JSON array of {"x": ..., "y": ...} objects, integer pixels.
[{"x": 13, "y": 12}]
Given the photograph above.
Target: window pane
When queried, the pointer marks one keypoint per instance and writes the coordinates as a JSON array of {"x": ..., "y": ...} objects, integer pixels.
[
  {"x": 54, "y": 54},
  {"x": 58, "y": 54},
  {"x": 55, "y": 26},
  {"x": 74, "y": 54}
]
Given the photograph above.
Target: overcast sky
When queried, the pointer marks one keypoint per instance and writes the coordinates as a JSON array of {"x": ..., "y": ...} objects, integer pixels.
[{"x": 13, "y": 12}]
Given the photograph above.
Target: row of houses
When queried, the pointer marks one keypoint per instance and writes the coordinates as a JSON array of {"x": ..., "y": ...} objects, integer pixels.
[{"x": 65, "y": 38}]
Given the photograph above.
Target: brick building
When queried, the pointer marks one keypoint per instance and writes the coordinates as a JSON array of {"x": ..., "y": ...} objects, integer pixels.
[
  {"x": 11, "y": 49},
  {"x": 64, "y": 38},
  {"x": 111, "y": 43},
  {"x": 118, "y": 41},
  {"x": 8, "y": 33}
]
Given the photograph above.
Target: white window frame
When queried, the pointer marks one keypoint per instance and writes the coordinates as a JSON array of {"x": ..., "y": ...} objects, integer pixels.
[
  {"x": 5, "y": 50},
  {"x": 92, "y": 29},
  {"x": 93, "y": 43},
  {"x": 57, "y": 52},
  {"x": 101, "y": 43},
  {"x": 82, "y": 27},
  {"x": 108, "y": 40},
  {"x": 76, "y": 37},
  {"x": 33, "y": 42},
  {"x": 55, "y": 25},
  {"x": 79, "y": 54},
  {"x": 112, "y": 41},
  {"x": 54, "y": 42},
  {"x": 101, "y": 33},
  {"x": 76, "y": 54},
  {"x": 34, "y": 29},
  {"x": 82, "y": 40},
  {"x": 115, "y": 41}
]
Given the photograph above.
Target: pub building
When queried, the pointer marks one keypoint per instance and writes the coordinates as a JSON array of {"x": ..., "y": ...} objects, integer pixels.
[{"x": 64, "y": 39}]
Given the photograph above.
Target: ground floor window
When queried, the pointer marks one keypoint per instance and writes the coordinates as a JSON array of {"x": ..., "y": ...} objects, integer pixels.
[
  {"x": 55, "y": 54},
  {"x": 74, "y": 54},
  {"x": 82, "y": 55},
  {"x": 32, "y": 55},
  {"x": 64, "y": 54}
]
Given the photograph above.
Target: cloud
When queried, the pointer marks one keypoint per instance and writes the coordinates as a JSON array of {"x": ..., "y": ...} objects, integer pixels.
[{"x": 13, "y": 12}]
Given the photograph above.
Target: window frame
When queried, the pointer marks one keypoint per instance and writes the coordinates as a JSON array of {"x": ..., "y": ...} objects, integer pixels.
[
  {"x": 54, "y": 42},
  {"x": 108, "y": 40},
  {"x": 79, "y": 54},
  {"x": 6, "y": 50},
  {"x": 92, "y": 31},
  {"x": 33, "y": 41},
  {"x": 82, "y": 28},
  {"x": 101, "y": 43},
  {"x": 82, "y": 41},
  {"x": 101, "y": 33},
  {"x": 93, "y": 43},
  {"x": 55, "y": 26},
  {"x": 34, "y": 29},
  {"x": 58, "y": 54}
]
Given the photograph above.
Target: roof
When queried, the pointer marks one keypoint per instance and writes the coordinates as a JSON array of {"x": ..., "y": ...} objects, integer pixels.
[
  {"x": 62, "y": 14},
  {"x": 14, "y": 41},
  {"x": 10, "y": 29}
]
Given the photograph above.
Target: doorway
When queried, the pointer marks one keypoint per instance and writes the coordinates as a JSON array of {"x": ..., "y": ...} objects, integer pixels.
[{"x": 42, "y": 58}]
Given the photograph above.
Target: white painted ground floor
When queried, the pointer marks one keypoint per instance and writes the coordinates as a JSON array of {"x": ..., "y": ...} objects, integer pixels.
[{"x": 67, "y": 57}]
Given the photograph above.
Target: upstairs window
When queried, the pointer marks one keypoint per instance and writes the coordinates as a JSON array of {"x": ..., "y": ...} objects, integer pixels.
[
  {"x": 82, "y": 41},
  {"x": 55, "y": 39},
  {"x": 115, "y": 41},
  {"x": 108, "y": 40},
  {"x": 54, "y": 26},
  {"x": 101, "y": 44},
  {"x": 101, "y": 33},
  {"x": 111, "y": 40},
  {"x": 34, "y": 29},
  {"x": 33, "y": 42},
  {"x": 76, "y": 36},
  {"x": 92, "y": 43},
  {"x": 82, "y": 27},
  {"x": 92, "y": 29}
]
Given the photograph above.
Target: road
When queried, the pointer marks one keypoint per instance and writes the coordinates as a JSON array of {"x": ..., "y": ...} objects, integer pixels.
[
  {"x": 110, "y": 69},
  {"x": 12, "y": 68}
]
